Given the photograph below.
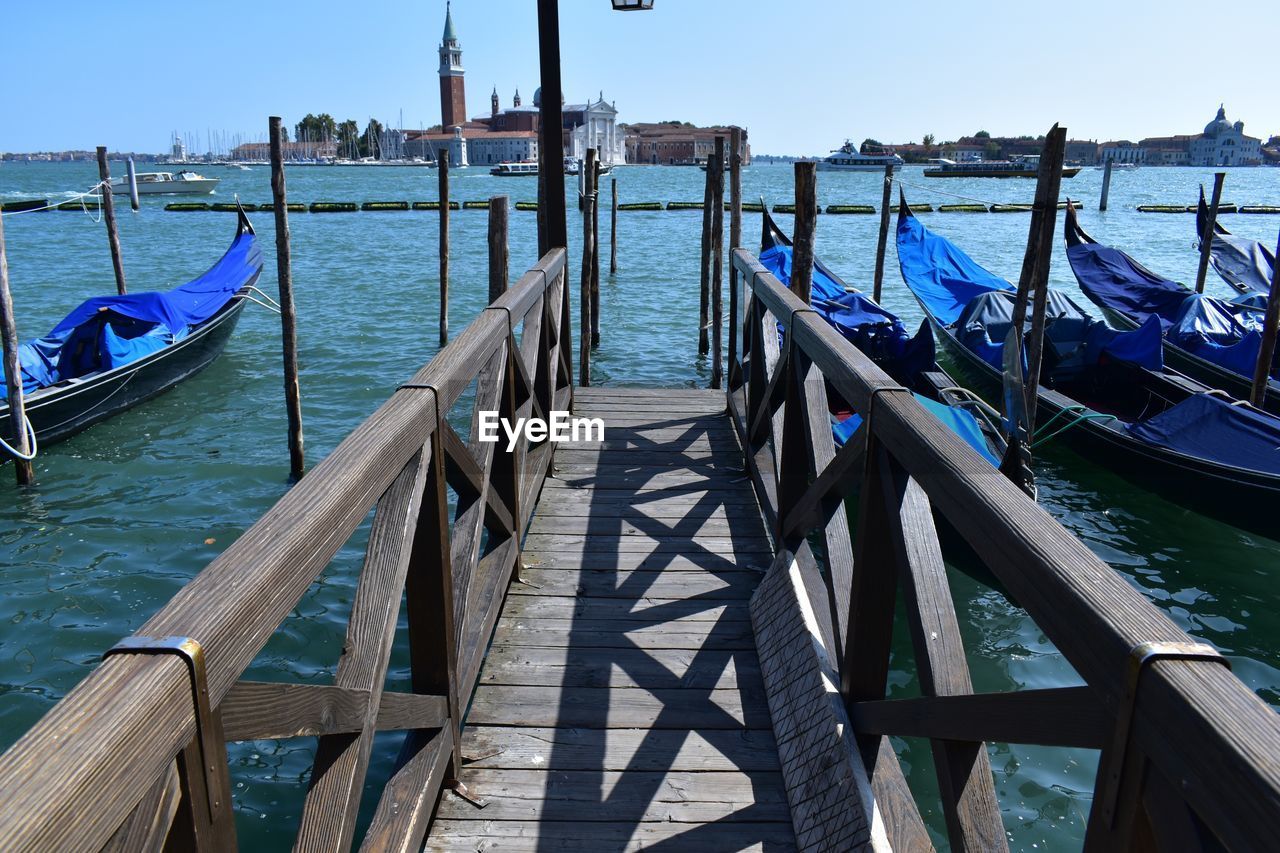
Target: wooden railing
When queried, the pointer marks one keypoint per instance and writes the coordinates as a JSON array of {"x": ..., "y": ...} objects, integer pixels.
[
  {"x": 136, "y": 752},
  {"x": 1188, "y": 752}
]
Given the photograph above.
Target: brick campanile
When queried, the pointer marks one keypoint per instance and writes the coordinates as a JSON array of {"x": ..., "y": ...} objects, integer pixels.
[{"x": 453, "y": 98}]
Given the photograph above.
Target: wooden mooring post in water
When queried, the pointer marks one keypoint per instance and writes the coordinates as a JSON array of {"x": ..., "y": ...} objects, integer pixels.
[
  {"x": 23, "y": 468},
  {"x": 442, "y": 173},
  {"x": 499, "y": 254},
  {"x": 802, "y": 240},
  {"x": 1210, "y": 224},
  {"x": 594, "y": 186},
  {"x": 288, "y": 311},
  {"x": 883, "y": 239},
  {"x": 735, "y": 241},
  {"x": 715, "y": 169},
  {"x": 1106, "y": 184},
  {"x": 704, "y": 271},
  {"x": 109, "y": 216},
  {"x": 613, "y": 226},
  {"x": 588, "y": 262},
  {"x": 1266, "y": 353}
]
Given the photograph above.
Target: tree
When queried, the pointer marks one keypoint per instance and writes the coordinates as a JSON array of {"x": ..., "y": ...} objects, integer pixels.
[
  {"x": 371, "y": 139},
  {"x": 870, "y": 146},
  {"x": 348, "y": 135},
  {"x": 982, "y": 134},
  {"x": 927, "y": 141}
]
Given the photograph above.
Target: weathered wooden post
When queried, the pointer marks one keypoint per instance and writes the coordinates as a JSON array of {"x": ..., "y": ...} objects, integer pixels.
[
  {"x": 594, "y": 200},
  {"x": 806, "y": 219},
  {"x": 109, "y": 214},
  {"x": 884, "y": 231},
  {"x": 584, "y": 314},
  {"x": 443, "y": 176},
  {"x": 288, "y": 311},
  {"x": 704, "y": 276},
  {"x": 132, "y": 176},
  {"x": 1266, "y": 353},
  {"x": 499, "y": 255},
  {"x": 1106, "y": 184},
  {"x": 1206, "y": 238},
  {"x": 716, "y": 169},
  {"x": 735, "y": 241},
  {"x": 613, "y": 226},
  {"x": 23, "y": 468}
]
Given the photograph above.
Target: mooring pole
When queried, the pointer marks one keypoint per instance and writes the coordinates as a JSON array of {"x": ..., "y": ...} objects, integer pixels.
[
  {"x": 594, "y": 200},
  {"x": 132, "y": 175},
  {"x": 806, "y": 220},
  {"x": 716, "y": 170},
  {"x": 1106, "y": 184},
  {"x": 613, "y": 226},
  {"x": 443, "y": 175},
  {"x": 584, "y": 311},
  {"x": 704, "y": 276},
  {"x": 735, "y": 241},
  {"x": 499, "y": 255},
  {"x": 109, "y": 214},
  {"x": 1266, "y": 353},
  {"x": 23, "y": 469},
  {"x": 553, "y": 229},
  {"x": 1206, "y": 238},
  {"x": 1051, "y": 161},
  {"x": 288, "y": 311},
  {"x": 885, "y": 200}
]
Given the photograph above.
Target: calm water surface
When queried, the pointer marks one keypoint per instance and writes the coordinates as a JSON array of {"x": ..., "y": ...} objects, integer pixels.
[{"x": 127, "y": 512}]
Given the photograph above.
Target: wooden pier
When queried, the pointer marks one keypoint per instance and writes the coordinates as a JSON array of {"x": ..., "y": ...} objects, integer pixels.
[{"x": 675, "y": 637}]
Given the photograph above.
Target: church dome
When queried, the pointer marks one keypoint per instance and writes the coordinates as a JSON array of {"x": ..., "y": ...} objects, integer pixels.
[
  {"x": 1219, "y": 125},
  {"x": 537, "y": 97}
]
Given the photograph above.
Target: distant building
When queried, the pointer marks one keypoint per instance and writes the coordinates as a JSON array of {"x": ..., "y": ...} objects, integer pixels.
[
  {"x": 1122, "y": 151},
  {"x": 261, "y": 151},
  {"x": 1224, "y": 144},
  {"x": 1083, "y": 152},
  {"x": 1167, "y": 150},
  {"x": 676, "y": 144}
]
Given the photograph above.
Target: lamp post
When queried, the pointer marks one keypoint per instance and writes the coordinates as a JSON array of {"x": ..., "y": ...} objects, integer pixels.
[{"x": 552, "y": 230}]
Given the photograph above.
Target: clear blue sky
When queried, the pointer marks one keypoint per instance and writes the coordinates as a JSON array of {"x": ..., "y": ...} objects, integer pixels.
[{"x": 802, "y": 75}]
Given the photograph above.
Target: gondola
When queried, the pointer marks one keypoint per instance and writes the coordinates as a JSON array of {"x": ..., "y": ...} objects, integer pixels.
[
  {"x": 883, "y": 338},
  {"x": 113, "y": 352},
  {"x": 1104, "y": 392},
  {"x": 1245, "y": 264},
  {"x": 1209, "y": 339}
]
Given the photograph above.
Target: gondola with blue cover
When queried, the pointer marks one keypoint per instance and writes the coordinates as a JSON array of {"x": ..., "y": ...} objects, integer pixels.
[
  {"x": 114, "y": 352},
  {"x": 1105, "y": 392},
  {"x": 1210, "y": 339},
  {"x": 883, "y": 338},
  {"x": 1245, "y": 264}
]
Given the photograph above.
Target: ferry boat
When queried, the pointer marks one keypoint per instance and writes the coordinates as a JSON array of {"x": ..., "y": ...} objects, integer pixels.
[
  {"x": 157, "y": 183},
  {"x": 515, "y": 170},
  {"x": 846, "y": 158},
  {"x": 1019, "y": 167}
]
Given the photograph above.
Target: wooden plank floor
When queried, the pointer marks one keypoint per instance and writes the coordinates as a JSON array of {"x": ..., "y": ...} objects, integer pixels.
[{"x": 621, "y": 705}]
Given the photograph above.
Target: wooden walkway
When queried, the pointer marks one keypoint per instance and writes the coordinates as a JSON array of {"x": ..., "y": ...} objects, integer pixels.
[{"x": 621, "y": 704}]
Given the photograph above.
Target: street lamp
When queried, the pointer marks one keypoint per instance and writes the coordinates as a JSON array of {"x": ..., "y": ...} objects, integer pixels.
[{"x": 632, "y": 5}]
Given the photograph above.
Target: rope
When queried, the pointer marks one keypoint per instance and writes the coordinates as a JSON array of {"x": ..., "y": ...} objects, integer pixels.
[
  {"x": 987, "y": 202},
  {"x": 270, "y": 308},
  {"x": 1082, "y": 415},
  {"x": 31, "y": 432},
  {"x": 266, "y": 296},
  {"x": 93, "y": 190}
]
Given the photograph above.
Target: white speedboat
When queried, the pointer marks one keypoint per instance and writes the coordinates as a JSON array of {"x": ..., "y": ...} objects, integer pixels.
[
  {"x": 156, "y": 183},
  {"x": 846, "y": 158}
]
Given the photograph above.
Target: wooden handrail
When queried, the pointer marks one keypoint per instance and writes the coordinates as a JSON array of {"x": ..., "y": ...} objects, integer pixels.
[
  {"x": 71, "y": 780},
  {"x": 1201, "y": 727}
]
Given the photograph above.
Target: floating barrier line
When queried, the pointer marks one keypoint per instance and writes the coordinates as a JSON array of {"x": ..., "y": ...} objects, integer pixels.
[{"x": 80, "y": 198}]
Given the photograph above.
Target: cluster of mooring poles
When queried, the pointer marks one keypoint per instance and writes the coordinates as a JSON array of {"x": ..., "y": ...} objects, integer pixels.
[{"x": 711, "y": 267}]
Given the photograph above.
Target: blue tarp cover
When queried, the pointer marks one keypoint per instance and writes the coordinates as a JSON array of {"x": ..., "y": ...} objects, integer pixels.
[
  {"x": 939, "y": 273},
  {"x": 979, "y": 306},
  {"x": 106, "y": 332},
  {"x": 1208, "y": 427},
  {"x": 959, "y": 421},
  {"x": 1221, "y": 332},
  {"x": 868, "y": 326}
]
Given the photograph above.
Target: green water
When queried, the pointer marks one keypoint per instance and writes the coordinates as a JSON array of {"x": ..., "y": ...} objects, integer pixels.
[{"x": 127, "y": 512}]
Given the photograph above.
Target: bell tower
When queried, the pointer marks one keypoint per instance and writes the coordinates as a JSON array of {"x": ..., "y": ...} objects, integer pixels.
[{"x": 453, "y": 99}]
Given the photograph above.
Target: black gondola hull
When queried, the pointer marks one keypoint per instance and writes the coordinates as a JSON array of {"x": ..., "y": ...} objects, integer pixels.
[
  {"x": 65, "y": 409},
  {"x": 1244, "y": 498}
]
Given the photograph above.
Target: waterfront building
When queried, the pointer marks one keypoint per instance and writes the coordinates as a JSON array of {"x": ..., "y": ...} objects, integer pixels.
[
  {"x": 1224, "y": 144},
  {"x": 676, "y": 143},
  {"x": 1082, "y": 152},
  {"x": 1122, "y": 151}
]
